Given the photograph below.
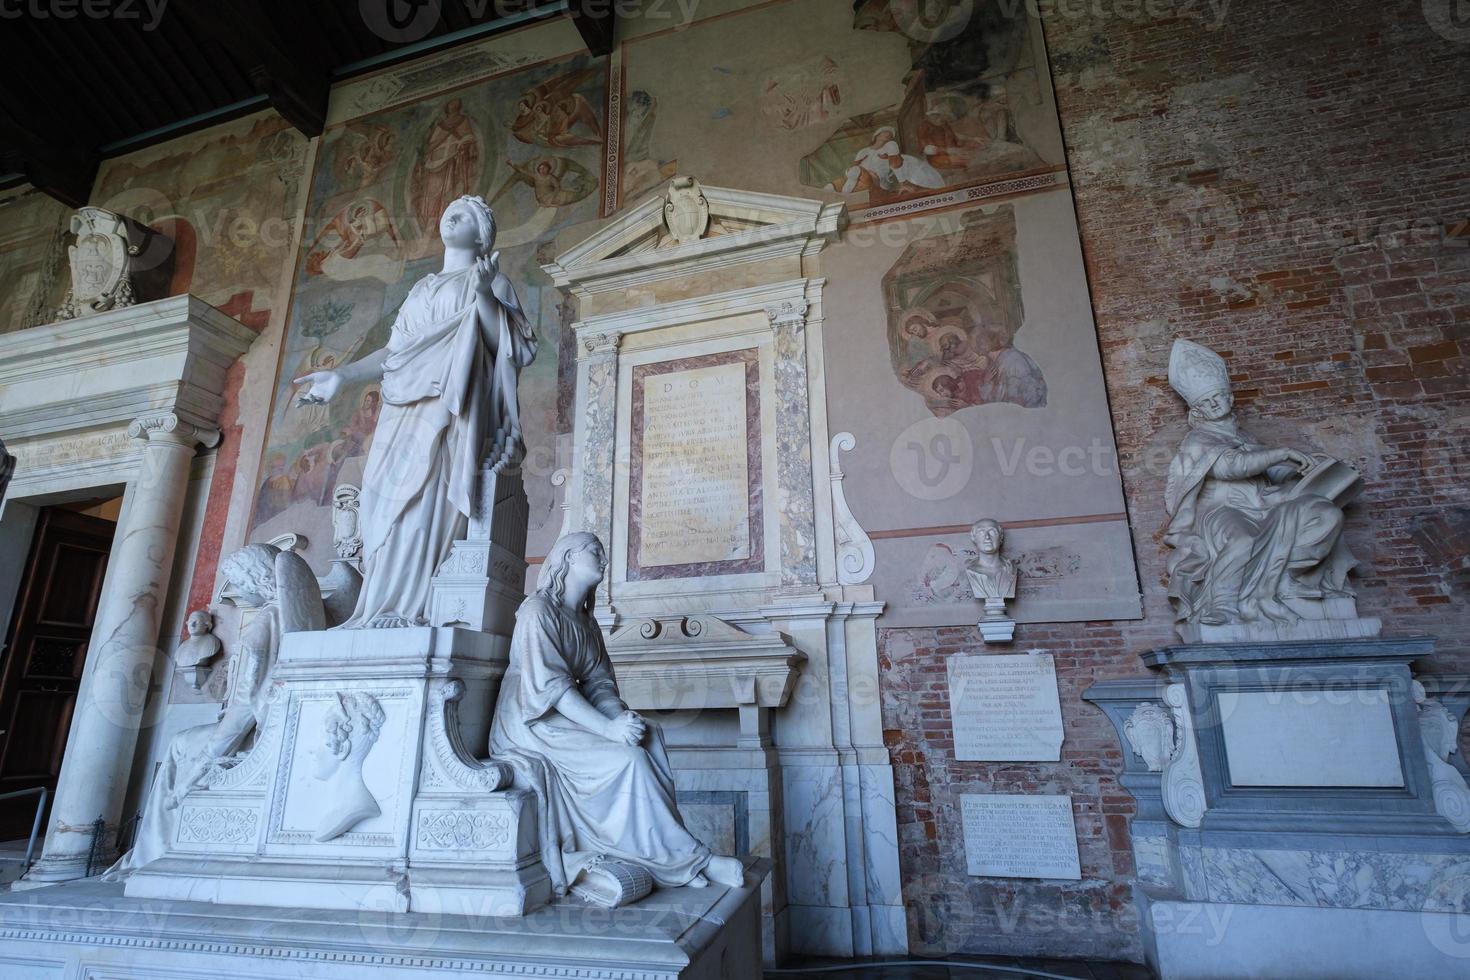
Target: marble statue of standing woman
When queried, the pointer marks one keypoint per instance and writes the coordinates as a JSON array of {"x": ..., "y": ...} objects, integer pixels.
[
  {"x": 449, "y": 384},
  {"x": 600, "y": 772}
]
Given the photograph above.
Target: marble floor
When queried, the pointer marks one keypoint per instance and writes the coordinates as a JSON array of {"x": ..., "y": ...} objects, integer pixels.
[{"x": 970, "y": 968}]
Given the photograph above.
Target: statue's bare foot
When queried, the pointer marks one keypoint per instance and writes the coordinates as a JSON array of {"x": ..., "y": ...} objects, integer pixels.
[
  {"x": 699, "y": 881},
  {"x": 725, "y": 871},
  {"x": 1213, "y": 617}
]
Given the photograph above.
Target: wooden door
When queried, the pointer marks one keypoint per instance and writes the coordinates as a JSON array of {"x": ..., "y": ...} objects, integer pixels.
[{"x": 45, "y": 650}]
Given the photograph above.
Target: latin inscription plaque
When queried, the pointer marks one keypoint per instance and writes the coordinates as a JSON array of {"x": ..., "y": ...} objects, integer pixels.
[
  {"x": 694, "y": 481},
  {"x": 1020, "y": 836},
  {"x": 1005, "y": 708}
]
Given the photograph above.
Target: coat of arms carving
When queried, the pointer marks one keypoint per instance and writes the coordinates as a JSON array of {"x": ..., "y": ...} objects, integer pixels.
[
  {"x": 112, "y": 258},
  {"x": 686, "y": 212}
]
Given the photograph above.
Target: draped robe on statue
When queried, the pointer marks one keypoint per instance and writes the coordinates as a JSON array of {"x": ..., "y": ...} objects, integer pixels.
[
  {"x": 194, "y": 752},
  {"x": 594, "y": 796},
  {"x": 447, "y": 384},
  {"x": 1239, "y": 539}
]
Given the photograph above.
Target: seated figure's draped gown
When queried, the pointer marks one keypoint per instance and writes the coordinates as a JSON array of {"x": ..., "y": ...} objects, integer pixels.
[
  {"x": 595, "y": 797},
  {"x": 446, "y": 384},
  {"x": 1239, "y": 540}
]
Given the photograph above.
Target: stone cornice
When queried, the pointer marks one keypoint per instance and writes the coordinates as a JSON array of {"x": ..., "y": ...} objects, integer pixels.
[
  {"x": 613, "y": 259},
  {"x": 108, "y": 369}
]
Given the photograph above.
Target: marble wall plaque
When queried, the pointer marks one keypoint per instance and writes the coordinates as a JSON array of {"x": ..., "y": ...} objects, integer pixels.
[
  {"x": 694, "y": 487},
  {"x": 1340, "y": 738},
  {"x": 1005, "y": 708},
  {"x": 1020, "y": 836}
]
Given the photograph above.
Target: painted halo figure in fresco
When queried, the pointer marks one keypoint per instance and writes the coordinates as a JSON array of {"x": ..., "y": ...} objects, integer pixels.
[
  {"x": 449, "y": 391},
  {"x": 600, "y": 772}
]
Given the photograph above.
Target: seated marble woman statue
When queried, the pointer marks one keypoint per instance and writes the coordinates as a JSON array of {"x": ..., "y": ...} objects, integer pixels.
[{"x": 600, "y": 772}]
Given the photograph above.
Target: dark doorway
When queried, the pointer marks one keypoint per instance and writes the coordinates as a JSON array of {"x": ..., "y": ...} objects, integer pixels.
[{"x": 45, "y": 650}]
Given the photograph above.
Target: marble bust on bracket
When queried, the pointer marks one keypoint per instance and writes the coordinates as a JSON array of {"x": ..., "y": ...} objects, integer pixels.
[{"x": 992, "y": 580}]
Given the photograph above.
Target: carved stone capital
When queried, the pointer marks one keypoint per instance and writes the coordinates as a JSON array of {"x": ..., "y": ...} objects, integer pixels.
[
  {"x": 168, "y": 427},
  {"x": 787, "y": 313},
  {"x": 602, "y": 344}
]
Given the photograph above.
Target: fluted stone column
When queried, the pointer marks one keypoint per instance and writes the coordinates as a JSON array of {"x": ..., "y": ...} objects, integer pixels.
[{"x": 114, "y": 690}]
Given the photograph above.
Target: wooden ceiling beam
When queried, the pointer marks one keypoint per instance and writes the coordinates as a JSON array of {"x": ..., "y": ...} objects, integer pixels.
[
  {"x": 280, "y": 65},
  {"x": 53, "y": 165}
]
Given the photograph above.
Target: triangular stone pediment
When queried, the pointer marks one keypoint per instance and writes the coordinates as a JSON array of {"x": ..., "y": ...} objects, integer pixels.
[{"x": 683, "y": 223}]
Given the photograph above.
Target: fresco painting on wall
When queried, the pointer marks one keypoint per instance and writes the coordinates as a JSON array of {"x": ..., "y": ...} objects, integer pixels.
[
  {"x": 530, "y": 143},
  {"x": 955, "y": 124},
  {"x": 32, "y": 259},
  {"x": 227, "y": 200},
  {"x": 954, "y": 309},
  {"x": 641, "y": 169}
]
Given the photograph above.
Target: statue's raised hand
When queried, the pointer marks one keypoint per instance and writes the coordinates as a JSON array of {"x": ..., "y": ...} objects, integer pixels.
[
  {"x": 487, "y": 271},
  {"x": 324, "y": 387}
]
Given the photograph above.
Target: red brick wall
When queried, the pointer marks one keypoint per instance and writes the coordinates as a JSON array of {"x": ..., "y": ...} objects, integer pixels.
[{"x": 1292, "y": 188}]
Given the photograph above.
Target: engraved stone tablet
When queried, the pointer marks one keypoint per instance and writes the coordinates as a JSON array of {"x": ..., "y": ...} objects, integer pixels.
[
  {"x": 1020, "y": 836},
  {"x": 695, "y": 473},
  {"x": 1005, "y": 708}
]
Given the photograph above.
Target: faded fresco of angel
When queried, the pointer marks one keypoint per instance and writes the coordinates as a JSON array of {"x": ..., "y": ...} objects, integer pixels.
[{"x": 554, "y": 181}]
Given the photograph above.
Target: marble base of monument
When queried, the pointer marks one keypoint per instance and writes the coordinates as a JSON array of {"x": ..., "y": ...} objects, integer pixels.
[
  {"x": 1324, "y": 619},
  {"x": 1298, "y": 810},
  {"x": 361, "y": 790},
  {"x": 90, "y": 929}
]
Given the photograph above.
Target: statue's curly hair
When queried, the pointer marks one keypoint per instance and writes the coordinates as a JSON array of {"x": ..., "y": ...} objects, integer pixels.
[{"x": 253, "y": 567}]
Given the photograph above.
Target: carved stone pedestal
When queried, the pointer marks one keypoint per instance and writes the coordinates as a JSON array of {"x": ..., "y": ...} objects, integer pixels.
[
  {"x": 362, "y": 791},
  {"x": 481, "y": 584},
  {"x": 1299, "y": 813},
  {"x": 90, "y": 929},
  {"x": 996, "y": 626}
]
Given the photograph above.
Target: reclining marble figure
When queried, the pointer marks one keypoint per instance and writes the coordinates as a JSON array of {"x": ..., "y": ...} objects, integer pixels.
[
  {"x": 600, "y": 772},
  {"x": 1251, "y": 526},
  {"x": 280, "y": 586},
  {"x": 449, "y": 378}
]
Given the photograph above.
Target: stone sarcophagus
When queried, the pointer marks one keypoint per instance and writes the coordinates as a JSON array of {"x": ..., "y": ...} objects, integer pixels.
[{"x": 360, "y": 792}]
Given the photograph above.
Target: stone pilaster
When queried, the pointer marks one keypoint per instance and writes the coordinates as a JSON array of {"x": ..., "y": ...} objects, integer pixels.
[
  {"x": 598, "y": 384},
  {"x": 794, "y": 447}
]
